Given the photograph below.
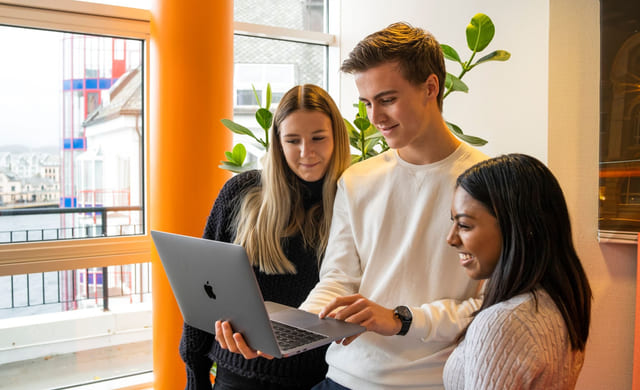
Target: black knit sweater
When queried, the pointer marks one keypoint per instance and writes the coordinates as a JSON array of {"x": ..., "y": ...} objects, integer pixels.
[{"x": 199, "y": 349}]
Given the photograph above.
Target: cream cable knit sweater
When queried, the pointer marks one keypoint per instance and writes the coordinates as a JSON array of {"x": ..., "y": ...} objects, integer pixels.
[{"x": 510, "y": 345}]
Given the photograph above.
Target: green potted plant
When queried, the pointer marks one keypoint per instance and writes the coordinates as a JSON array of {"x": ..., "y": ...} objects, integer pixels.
[
  {"x": 235, "y": 158},
  {"x": 480, "y": 32}
]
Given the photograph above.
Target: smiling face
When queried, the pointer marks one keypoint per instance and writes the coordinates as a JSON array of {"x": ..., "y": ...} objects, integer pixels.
[
  {"x": 307, "y": 143},
  {"x": 402, "y": 111},
  {"x": 476, "y": 235}
]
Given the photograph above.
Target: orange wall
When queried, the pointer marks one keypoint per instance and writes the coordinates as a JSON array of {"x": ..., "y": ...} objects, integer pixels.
[{"x": 190, "y": 82}]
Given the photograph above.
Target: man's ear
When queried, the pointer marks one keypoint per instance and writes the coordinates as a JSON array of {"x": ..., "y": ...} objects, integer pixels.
[{"x": 432, "y": 85}]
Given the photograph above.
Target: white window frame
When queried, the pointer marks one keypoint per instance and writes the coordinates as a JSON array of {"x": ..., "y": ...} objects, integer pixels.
[
  {"x": 312, "y": 37},
  {"x": 83, "y": 18}
]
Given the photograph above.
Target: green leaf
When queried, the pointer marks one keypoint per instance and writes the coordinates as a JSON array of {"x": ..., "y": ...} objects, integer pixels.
[
  {"x": 369, "y": 144},
  {"x": 450, "y": 53},
  {"x": 362, "y": 110},
  {"x": 355, "y": 142},
  {"x": 470, "y": 139},
  {"x": 255, "y": 94},
  {"x": 350, "y": 129},
  {"x": 371, "y": 131},
  {"x": 497, "y": 55},
  {"x": 234, "y": 167},
  {"x": 362, "y": 123},
  {"x": 355, "y": 158},
  {"x": 236, "y": 128},
  {"x": 453, "y": 83},
  {"x": 372, "y": 152},
  {"x": 268, "y": 96},
  {"x": 377, "y": 137},
  {"x": 264, "y": 118},
  {"x": 239, "y": 154},
  {"x": 480, "y": 32},
  {"x": 230, "y": 166}
]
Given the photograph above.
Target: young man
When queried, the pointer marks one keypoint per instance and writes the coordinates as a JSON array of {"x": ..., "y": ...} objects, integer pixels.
[{"x": 387, "y": 265}]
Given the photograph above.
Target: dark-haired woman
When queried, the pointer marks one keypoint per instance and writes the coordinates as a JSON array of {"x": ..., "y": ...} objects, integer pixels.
[{"x": 511, "y": 226}]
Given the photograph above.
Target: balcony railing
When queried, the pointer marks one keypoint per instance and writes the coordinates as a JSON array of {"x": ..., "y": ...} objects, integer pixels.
[
  {"x": 73, "y": 289},
  {"x": 87, "y": 230}
]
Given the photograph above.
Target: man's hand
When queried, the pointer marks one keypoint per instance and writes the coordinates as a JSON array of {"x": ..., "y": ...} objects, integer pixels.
[
  {"x": 235, "y": 343},
  {"x": 360, "y": 310}
]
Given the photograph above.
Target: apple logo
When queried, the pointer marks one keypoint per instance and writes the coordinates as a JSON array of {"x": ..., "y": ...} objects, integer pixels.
[{"x": 209, "y": 290}]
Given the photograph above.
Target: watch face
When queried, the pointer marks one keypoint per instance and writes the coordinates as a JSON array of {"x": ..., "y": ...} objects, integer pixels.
[{"x": 403, "y": 313}]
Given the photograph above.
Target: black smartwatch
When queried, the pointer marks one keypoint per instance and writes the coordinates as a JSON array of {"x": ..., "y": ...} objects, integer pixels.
[{"x": 404, "y": 315}]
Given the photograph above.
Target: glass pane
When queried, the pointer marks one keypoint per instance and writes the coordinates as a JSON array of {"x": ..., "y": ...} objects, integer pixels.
[
  {"x": 296, "y": 14},
  {"x": 76, "y": 327},
  {"x": 71, "y": 131},
  {"x": 62, "y": 291},
  {"x": 70, "y": 167},
  {"x": 282, "y": 64},
  {"x": 619, "y": 191}
]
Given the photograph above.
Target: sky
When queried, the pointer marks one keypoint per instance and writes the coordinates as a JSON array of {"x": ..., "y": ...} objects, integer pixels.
[
  {"x": 31, "y": 83},
  {"x": 30, "y": 87}
]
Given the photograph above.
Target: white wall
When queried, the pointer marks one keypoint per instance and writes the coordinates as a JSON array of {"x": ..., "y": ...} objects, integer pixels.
[{"x": 544, "y": 101}]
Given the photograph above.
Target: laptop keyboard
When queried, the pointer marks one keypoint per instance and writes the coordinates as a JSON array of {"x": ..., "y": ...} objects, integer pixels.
[{"x": 289, "y": 337}]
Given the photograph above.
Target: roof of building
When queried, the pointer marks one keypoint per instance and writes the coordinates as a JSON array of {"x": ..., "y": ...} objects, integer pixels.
[
  {"x": 9, "y": 175},
  {"x": 125, "y": 98}
]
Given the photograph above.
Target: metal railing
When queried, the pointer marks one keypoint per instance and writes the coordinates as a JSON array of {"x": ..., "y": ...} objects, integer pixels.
[
  {"x": 56, "y": 291},
  {"x": 85, "y": 231},
  {"x": 72, "y": 289}
]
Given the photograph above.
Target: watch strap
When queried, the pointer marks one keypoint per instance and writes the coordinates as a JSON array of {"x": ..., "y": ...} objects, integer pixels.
[{"x": 403, "y": 313}]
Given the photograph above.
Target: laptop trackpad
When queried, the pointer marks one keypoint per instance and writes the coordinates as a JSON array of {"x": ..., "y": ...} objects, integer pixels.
[{"x": 302, "y": 319}]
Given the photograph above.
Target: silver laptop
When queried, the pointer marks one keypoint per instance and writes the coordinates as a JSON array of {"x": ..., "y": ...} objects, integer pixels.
[{"x": 213, "y": 280}]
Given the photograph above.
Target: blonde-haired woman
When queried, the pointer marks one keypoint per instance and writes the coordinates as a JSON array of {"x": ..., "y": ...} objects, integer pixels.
[{"x": 281, "y": 215}]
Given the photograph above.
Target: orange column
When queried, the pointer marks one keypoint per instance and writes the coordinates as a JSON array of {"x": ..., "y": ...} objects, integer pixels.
[{"x": 191, "y": 79}]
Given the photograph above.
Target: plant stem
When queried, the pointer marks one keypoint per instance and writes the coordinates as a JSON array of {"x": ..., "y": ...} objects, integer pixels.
[
  {"x": 364, "y": 154},
  {"x": 465, "y": 69}
]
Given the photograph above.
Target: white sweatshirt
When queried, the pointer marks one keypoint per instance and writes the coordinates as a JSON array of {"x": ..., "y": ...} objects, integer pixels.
[
  {"x": 514, "y": 345},
  {"x": 388, "y": 243}
]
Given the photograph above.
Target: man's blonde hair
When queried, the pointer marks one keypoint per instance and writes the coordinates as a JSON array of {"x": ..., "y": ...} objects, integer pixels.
[{"x": 415, "y": 50}]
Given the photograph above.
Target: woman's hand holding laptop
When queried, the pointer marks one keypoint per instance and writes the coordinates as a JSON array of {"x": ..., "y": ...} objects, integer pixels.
[{"x": 235, "y": 343}]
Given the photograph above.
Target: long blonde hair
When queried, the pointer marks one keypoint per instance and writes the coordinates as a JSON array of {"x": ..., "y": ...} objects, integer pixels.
[{"x": 274, "y": 210}]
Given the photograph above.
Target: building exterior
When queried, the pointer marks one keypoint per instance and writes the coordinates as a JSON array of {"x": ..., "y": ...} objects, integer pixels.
[
  {"x": 110, "y": 169},
  {"x": 29, "y": 179},
  {"x": 91, "y": 66}
]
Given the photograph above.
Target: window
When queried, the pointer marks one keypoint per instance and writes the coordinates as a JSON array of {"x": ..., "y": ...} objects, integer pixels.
[
  {"x": 73, "y": 225},
  {"x": 280, "y": 77},
  {"x": 246, "y": 97},
  {"x": 68, "y": 127},
  {"x": 307, "y": 15},
  {"x": 619, "y": 193},
  {"x": 282, "y": 44}
]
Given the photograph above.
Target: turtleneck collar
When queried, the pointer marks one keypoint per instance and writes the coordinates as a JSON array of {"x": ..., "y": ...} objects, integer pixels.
[{"x": 312, "y": 191}]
